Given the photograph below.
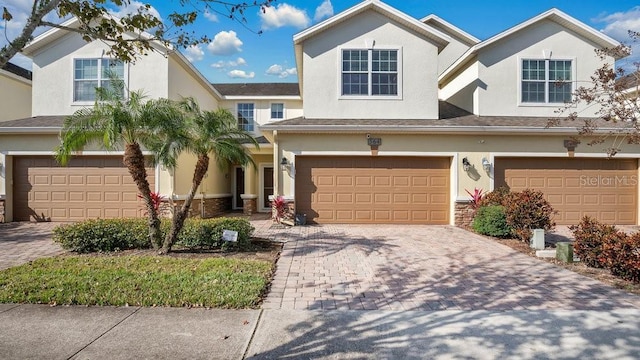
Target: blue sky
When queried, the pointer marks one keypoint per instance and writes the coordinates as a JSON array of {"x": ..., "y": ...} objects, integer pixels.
[{"x": 238, "y": 54}]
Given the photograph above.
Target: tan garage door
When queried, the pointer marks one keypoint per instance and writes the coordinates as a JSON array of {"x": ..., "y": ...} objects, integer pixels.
[
  {"x": 88, "y": 187},
  {"x": 601, "y": 188},
  {"x": 411, "y": 190}
]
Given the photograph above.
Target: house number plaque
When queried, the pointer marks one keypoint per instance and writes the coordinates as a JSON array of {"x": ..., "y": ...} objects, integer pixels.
[{"x": 374, "y": 141}]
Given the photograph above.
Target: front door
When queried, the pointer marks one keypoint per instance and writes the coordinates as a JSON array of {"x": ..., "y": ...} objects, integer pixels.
[
  {"x": 239, "y": 188},
  {"x": 267, "y": 186}
]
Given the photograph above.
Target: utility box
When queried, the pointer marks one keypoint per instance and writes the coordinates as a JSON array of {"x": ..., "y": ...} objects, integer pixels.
[
  {"x": 537, "y": 240},
  {"x": 564, "y": 252}
]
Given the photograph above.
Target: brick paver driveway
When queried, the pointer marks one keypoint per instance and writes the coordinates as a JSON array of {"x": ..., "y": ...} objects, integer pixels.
[
  {"x": 24, "y": 241},
  {"x": 421, "y": 268}
]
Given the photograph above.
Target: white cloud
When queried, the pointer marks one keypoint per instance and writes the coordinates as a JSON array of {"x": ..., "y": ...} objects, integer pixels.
[
  {"x": 241, "y": 74},
  {"x": 194, "y": 53},
  {"x": 227, "y": 64},
  {"x": 225, "y": 43},
  {"x": 617, "y": 25},
  {"x": 284, "y": 15},
  {"x": 210, "y": 16},
  {"x": 133, "y": 8},
  {"x": 280, "y": 71},
  {"x": 323, "y": 11}
]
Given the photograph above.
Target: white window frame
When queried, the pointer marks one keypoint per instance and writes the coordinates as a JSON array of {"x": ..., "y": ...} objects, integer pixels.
[
  {"x": 398, "y": 96},
  {"x": 100, "y": 79},
  {"x": 546, "y": 102},
  {"x": 253, "y": 124},
  {"x": 284, "y": 110}
]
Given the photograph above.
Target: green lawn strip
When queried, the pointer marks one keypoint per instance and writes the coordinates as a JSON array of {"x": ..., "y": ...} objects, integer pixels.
[{"x": 137, "y": 280}]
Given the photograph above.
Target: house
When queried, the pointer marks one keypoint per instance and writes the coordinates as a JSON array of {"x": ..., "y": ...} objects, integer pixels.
[
  {"x": 392, "y": 120},
  {"x": 15, "y": 92}
]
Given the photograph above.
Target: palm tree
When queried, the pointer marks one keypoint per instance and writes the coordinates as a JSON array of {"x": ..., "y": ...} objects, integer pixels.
[
  {"x": 210, "y": 132},
  {"x": 114, "y": 122}
]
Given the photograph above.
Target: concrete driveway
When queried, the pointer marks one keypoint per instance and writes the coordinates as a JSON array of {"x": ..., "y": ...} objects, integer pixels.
[
  {"x": 422, "y": 268},
  {"x": 21, "y": 242}
]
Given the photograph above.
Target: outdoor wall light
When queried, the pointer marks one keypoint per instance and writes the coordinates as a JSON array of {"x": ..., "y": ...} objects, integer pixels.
[
  {"x": 284, "y": 164},
  {"x": 486, "y": 165},
  {"x": 466, "y": 165}
]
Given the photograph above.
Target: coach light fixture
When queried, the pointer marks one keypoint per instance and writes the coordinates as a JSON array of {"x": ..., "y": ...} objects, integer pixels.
[
  {"x": 486, "y": 165},
  {"x": 466, "y": 165},
  {"x": 284, "y": 163}
]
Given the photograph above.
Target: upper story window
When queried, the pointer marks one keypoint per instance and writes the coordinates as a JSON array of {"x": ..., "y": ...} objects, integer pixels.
[
  {"x": 246, "y": 116},
  {"x": 370, "y": 72},
  {"x": 277, "y": 111},
  {"x": 547, "y": 81},
  {"x": 89, "y": 74}
]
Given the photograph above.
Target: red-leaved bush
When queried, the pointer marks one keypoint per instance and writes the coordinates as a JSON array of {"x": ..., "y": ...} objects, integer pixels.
[
  {"x": 589, "y": 236},
  {"x": 527, "y": 210},
  {"x": 621, "y": 255},
  {"x": 280, "y": 208},
  {"x": 156, "y": 199}
]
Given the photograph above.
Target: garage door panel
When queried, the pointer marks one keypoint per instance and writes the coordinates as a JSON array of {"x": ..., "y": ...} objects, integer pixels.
[
  {"x": 88, "y": 187},
  {"x": 384, "y": 190},
  {"x": 605, "y": 189}
]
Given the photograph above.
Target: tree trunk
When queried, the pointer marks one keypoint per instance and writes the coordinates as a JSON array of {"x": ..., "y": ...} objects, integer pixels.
[
  {"x": 134, "y": 160},
  {"x": 39, "y": 10},
  {"x": 202, "y": 165}
]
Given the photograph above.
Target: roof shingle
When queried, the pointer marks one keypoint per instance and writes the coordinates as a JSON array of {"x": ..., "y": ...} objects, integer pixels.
[
  {"x": 258, "y": 89},
  {"x": 17, "y": 70}
]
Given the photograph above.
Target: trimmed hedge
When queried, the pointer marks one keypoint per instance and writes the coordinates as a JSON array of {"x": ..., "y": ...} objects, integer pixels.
[
  {"x": 207, "y": 233},
  {"x": 589, "y": 236},
  {"x": 105, "y": 235},
  {"x": 491, "y": 220}
]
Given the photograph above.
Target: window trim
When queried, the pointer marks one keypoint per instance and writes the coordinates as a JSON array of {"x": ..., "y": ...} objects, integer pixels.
[
  {"x": 546, "y": 82},
  {"x": 255, "y": 120},
  {"x": 370, "y": 49},
  {"x": 284, "y": 110},
  {"x": 73, "y": 77}
]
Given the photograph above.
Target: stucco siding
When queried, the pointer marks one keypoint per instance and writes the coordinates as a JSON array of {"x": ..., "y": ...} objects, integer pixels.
[
  {"x": 322, "y": 71},
  {"x": 53, "y": 74},
  {"x": 499, "y": 68},
  {"x": 262, "y": 110},
  {"x": 183, "y": 83},
  {"x": 15, "y": 96}
]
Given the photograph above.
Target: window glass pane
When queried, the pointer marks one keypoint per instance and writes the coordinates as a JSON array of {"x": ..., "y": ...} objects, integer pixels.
[
  {"x": 245, "y": 116},
  {"x": 277, "y": 111},
  {"x": 355, "y": 84},
  {"x": 533, "y": 92},
  {"x": 533, "y": 69},
  {"x": 112, "y": 67},
  {"x": 384, "y": 77},
  {"x": 384, "y": 84},
  {"x": 84, "y": 90},
  {"x": 86, "y": 69},
  {"x": 559, "y": 92}
]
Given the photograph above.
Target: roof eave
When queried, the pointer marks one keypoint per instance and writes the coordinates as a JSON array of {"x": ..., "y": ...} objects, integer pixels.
[
  {"x": 31, "y": 130},
  {"x": 452, "y": 28},
  {"x": 514, "y": 130}
]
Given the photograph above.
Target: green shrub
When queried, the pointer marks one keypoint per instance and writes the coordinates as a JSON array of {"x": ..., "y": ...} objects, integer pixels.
[
  {"x": 496, "y": 197},
  {"x": 103, "y": 235},
  {"x": 589, "y": 236},
  {"x": 491, "y": 220},
  {"x": 207, "y": 233},
  {"x": 527, "y": 210},
  {"x": 621, "y": 255},
  {"x": 122, "y": 234}
]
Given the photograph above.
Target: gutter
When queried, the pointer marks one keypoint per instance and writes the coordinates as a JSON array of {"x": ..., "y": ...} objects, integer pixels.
[
  {"x": 437, "y": 130},
  {"x": 30, "y": 130}
]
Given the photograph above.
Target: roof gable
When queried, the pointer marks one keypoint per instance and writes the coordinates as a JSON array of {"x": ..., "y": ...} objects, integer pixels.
[
  {"x": 554, "y": 15},
  {"x": 450, "y": 29}
]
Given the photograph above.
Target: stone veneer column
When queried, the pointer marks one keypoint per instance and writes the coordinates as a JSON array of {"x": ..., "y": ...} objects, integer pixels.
[
  {"x": 2, "y": 211},
  {"x": 463, "y": 213},
  {"x": 249, "y": 203}
]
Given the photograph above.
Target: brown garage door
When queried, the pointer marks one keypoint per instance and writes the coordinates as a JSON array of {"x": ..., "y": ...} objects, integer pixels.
[
  {"x": 88, "y": 187},
  {"x": 601, "y": 188},
  {"x": 411, "y": 190}
]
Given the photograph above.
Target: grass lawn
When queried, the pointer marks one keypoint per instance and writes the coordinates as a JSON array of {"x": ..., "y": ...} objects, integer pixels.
[{"x": 137, "y": 280}]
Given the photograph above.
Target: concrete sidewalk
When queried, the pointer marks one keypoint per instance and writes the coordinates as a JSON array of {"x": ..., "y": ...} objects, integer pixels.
[{"x": 75, "y": 332}]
